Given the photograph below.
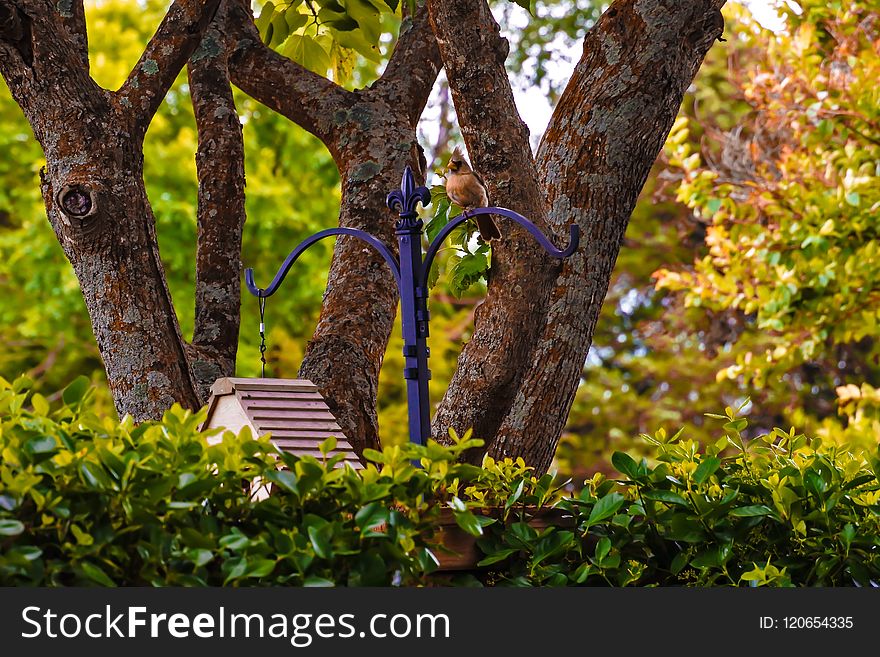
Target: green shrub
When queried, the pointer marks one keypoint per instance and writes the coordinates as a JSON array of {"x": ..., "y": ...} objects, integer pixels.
[
  {"x": 85, "y": 500},
  {"x": 89, "y": 501},
  {"x": 781, "y": 510}
]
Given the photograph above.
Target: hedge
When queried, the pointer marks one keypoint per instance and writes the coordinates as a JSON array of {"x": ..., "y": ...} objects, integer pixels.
[{"x": 89, "y": 501}]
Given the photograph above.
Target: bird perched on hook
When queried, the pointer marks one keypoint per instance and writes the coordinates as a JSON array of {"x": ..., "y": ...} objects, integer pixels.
[{"x": 465, "y": 188}]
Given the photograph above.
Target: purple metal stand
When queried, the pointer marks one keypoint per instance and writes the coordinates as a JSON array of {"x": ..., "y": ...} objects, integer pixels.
[{"x": 411, "y": 274}]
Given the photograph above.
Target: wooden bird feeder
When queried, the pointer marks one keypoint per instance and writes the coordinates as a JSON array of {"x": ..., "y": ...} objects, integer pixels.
[{"x": 291, "y": 410}]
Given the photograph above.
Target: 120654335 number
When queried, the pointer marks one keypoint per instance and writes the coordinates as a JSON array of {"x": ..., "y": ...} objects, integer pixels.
[{"x": 817, "y": 622}]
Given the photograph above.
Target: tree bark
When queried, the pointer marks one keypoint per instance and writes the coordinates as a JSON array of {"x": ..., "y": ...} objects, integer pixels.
[
  {"x": 73, "y": 17},
  {"x": 221, "y": 211},
  {"x": 509, "y": 321},
  {"x": 94, "y": 190},
  {"x": 371, "y": 135},
  {"x": 603, "y": 138}
]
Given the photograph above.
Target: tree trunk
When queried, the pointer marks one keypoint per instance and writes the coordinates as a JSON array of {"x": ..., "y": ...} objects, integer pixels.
[
  {"x": 114, "y": 255},
  {"x": 371, "y": 134},
  {"x": 606, "y": 132},
  {"x": 508, "y": 322},
  {"x": 94, "y": 190},
  {"x": 221, "y": 212}
]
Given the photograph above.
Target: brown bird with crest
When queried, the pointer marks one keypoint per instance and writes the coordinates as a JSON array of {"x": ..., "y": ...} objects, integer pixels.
[{"x": 466, "y": 189}]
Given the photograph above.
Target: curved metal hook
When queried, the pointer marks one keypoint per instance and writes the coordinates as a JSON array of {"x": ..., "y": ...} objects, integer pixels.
[
  {"x": 574, "y": 232},
  {"x": 306, "y": 243}
]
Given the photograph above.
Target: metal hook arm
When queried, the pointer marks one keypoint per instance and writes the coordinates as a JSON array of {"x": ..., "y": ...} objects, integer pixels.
[
  {"x": 383, "y": 250},
  {"x": 574, "y": 232}
]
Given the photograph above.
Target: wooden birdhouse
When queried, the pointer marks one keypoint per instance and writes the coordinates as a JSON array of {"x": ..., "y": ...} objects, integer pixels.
[{"x": 292, "y": 410}]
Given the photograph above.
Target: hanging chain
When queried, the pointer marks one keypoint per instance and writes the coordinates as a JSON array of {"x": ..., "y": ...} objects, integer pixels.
[{"x": 262, "y": 301}]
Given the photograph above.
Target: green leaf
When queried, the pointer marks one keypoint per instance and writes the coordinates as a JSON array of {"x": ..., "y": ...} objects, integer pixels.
[
  {"x": 76, "y": 391},
  {"x": 605, "y": 508},
  {"x": 752, "y": 511},
  {"x": 344, "y": 24},
  {"x": 320, "y": 538},
  {"x": 468, "y": 522},
  {"x": 25, "y": 382},
  {"x": 815, "y": 483},
  {"x": 11, "y": 527},
  {"x": 262, "y": 21},
  {"x": 82, "y": 538},
  {"x": 96, "y": 574},
  {"x": 295, "y": 20},
  {"x": 199, "y": 556},
  {"x": 706, "y": 469},
  {"x": 707, "y": 559},
  {"x": 495, "y": 557},
  {"x": 41, "y": 406},
  {"x": 285, "y": 479},
  {"x": 354, "y": 40},
  {"x": 41, "y": 445},
  {"x": 737, "y": 425},
  {"x": 95, "y": 477},
  {"x": 370, "y": 516},
  {"x": 603, "y": 547},
  {"x": 847, "y": 535},
  {"x": 683, "y": 528},
  {"x": 260, "y": 567},
  {"x": 858, "y": 481},
  {"x": 235, "y": 541},
  {"x": 368, "y": 18},
  {"x": 666, "y": 496},
  {"x": 552, "y": 543},
  {"x": 280, "y": 29},
  {"x": 195, "y": 539},
  {"x": 678, "y": 563},
  {"x": 374, "y": 455},
  {"x": 328, "y": 445},
  {"x": 625, "y": 464},
  {"x": 306, "y": 51},
  {"x": 313, "y": 581},
  {"x": 465, "y": 271},
  {"x": 516, "y": 495}
]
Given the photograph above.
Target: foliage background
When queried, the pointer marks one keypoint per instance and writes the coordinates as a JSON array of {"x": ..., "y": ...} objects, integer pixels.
[{"x": 750, "y": 266}]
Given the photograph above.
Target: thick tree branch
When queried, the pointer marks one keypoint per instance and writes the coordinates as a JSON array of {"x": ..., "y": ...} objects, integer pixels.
[
  {"x": 412, "y": 69},
  {"x": 73, "y": 17},
  {"x": 41, "y": 64},
  {"x": 509, "y": 321},
  {"x": 175, "y": 40},
  {"x": 605, "y": 134},
  {"x": 221, "y": 211},
  {"x": 306, "y": 98}
]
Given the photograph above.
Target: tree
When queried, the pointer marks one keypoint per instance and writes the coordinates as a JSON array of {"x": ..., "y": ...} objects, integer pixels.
[
  {"x": 789, "y": 197},
  {"x": 514, "y": 387}
]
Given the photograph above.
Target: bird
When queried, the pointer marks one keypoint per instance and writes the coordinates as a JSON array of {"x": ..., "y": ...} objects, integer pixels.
[{"x": 465, "y": 188}]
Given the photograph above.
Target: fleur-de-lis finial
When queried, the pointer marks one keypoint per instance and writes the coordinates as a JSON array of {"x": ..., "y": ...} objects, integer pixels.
[{"x": 405, "y": 200}]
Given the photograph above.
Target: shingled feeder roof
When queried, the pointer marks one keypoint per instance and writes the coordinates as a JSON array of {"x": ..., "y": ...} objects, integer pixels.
[{"x": 292, "y": 410}]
